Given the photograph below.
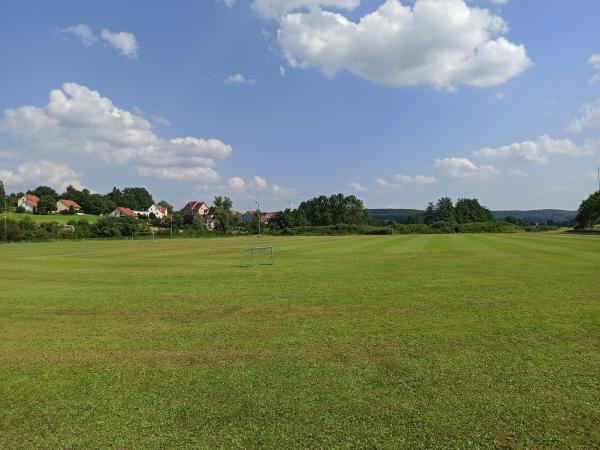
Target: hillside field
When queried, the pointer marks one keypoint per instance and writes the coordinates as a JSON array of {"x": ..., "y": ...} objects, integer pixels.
[
  {"x": 59, "y": 218},
  {"x": 421, "y": 341}
]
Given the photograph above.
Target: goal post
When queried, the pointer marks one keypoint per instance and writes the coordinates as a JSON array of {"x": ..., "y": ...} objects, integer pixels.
[
  {"x": 144, "y": 236},
  {"x": 257, "y": 256}
]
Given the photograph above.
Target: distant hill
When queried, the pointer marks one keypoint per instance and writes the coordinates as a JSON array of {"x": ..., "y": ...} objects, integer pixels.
[
  {"x": 399, "y": 215},
  {"x": 541, "y": 216}
]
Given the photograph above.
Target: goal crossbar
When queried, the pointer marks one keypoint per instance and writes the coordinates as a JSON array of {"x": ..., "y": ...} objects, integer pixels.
[{"x": 257, "y": 256}]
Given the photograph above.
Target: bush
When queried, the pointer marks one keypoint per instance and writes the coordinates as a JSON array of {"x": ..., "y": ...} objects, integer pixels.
[{"x": 488, "y": 227}]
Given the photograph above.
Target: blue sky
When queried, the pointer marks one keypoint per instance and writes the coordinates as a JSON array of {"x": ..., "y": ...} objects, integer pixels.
[{"x": 399, "y": 102}]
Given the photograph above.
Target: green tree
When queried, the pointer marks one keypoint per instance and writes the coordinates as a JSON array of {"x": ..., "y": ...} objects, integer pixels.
[
  {"x": 44, "y": 191},
  {"x": 136, "y": 198},
  {"x": 514, "y": 220},
  {"x": 46, "y": 205},
  {"x": 470, "y": 210},
  {"x": 413, "y": 219},
  {"x": 588, "y": 213},
  {"x": 223, "y": 214},
  {"x": 3, "y": 198}
]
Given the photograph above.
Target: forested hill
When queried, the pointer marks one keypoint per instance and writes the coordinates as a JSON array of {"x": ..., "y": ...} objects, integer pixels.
[{"x": 541, "y": 216}]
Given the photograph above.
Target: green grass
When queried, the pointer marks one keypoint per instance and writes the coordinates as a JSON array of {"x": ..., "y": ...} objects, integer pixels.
[
  {"x": 60, "y": 218},
  {"x": 447, "y": 341}
]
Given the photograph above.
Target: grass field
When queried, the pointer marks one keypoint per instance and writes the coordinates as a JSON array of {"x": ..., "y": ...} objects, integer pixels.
[
  {"x": 453, "y": 341},
  {"x": 60, "y": 218}
]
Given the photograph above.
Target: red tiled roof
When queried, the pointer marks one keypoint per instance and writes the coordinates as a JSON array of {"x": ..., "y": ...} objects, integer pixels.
[
  {"x": 194, "y": 205},
  {"x": 33, "y": 200},
  {"x": 69, "y": 203},
  {"x": 161, "y": 208},
  {"x": 127, "y": 212}
]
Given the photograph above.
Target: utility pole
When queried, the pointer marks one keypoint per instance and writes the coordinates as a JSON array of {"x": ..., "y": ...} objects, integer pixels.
[
  {"x": 598, "y": 182},
  {"x": 258, "y": 206},
  {"x": 5, "y": 228}
]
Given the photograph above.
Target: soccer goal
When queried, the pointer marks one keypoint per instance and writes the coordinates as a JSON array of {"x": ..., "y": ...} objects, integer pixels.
[
  {"x": 257, "y": 256},
  {"x": 144, "y": 236}
]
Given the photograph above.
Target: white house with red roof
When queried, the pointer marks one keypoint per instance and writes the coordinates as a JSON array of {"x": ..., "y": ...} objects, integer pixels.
[
  {"x": 195, "y": 208},
  {"x": 123, "y": 212},
  {"x": 28, "y": 202},
  {"x": 158, "y": 211},
  {"x": 65, "y": 206}
]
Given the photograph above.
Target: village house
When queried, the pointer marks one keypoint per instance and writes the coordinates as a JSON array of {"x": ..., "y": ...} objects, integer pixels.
[
  {"x": 249, "y": 216},
  {"x": 123, "y": 212},
  {"x": 195, "y": 208},
  {"x": 65, "y": 206},
  {"x": 157, "y": 211},
  {"x": 28, "y": 202}
]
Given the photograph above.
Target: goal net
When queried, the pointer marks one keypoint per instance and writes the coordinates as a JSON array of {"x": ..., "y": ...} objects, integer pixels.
[
  {"x": 144, "y": 236},
  {"x": 257, "y": 256}
]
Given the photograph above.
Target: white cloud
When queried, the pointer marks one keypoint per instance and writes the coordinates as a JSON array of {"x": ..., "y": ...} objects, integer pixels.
[
  {"x": 79, "y": 122},
  {"x": 237, "y": 183},
  {"x": 42, "y": 172},
  {"x": 260, "y": 182},
  {"x": 437, "y": 42},
  {"x": 161, "y": 121},
  {"x": 125, "y": 43},
  {"x": 282, "y": 71},
  {"x": 83, "y": 32},
  {"x": 538, "y": 151},
  {"x": 417, "y": 179},
  {"x": 518, "y": 173},
  {"x": 275, "y": 9},
  {"x": 256, "y": 183},
  {"x": 356, "y": 187},
  {"x": 228, "y": 3},
  {"x": 463, "y": 168},
  {"x": 238, "y": 78},
  {"x": 180, "y": 173},
  {"x": 594, "y": 61},
  {"x": 590, "y": 118}
]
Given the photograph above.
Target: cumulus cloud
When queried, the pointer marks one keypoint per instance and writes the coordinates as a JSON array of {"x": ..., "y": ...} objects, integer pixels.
[
  {"x": 161, "y": 121},
  {"x": 538, "y": 151},
  {"x": 125, "y": 43},
  {"x": 254, "y": 184},
  {"x": 238, "y": 78},
  {"x": 518, "y": 173},
  {"x": 463, "y": 169},
  {"x": 180, "y": 173},
  {"x": 441, "y": 43},
  {"x": 275, "y": 9},
  {"x": 403, "y": 180},
  {"x": 357, "y": 187},
  {"x": 590, "y": 117},
  {"x": 417, "y": 179},
  {"x": 42, "y": 172},
  {"x": 83, "y": 32},
  {"x": 594, "y": 61},
  {"x": 237, "y": 183},
  {"x": 81, "y": 122}
]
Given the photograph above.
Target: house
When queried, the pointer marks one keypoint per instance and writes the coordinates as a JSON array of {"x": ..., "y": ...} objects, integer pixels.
[
  {"x": 195, "y": 208},
  {"x": 28, "y": 202},
  {"x": 266, "y": 218},
  {"x": 123, "y": 212},
  {"x": 249, "y": 216},
  {"x": 158, "y": 211},
  {"x": 65, "y": 206}
]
